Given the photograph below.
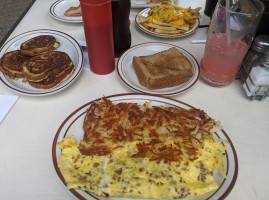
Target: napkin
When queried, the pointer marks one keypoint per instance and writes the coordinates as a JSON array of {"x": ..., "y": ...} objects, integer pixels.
[
  {"x": 86, "y": 66},
  {"x": 86, "y": 61},
  {"x": 83, "y": 44},
  {"x": 6, "y": 103}
]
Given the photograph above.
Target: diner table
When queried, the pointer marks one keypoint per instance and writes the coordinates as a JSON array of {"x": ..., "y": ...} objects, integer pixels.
[{"x": 28, "y": 130}]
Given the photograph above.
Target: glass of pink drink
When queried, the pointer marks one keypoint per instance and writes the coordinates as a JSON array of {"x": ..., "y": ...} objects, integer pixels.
[{"x": 231, "y": 32}]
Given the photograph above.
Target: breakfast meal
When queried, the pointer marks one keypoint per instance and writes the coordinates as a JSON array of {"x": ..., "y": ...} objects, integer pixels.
[
  {"x": 11, "y": 62},
  {"x": 163, "y": 69},
  {"x": 168, "y": 18},
  {"x": 39, "y": 44},
  {"x": 37, "y": 63},
  {"x": 144, "y": 151},
  {"x": 155, "y": 1},
  {"x": 48, "y": 70},
  {"x": 73, "y": 12}
]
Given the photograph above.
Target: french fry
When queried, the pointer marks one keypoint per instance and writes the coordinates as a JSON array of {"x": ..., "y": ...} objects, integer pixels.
[
  {"x": 141, "y": 16},
  {"x": 185, "y": 28},
  {"x": 161, "y": 31},
  {"x": 161, "y": 27}
]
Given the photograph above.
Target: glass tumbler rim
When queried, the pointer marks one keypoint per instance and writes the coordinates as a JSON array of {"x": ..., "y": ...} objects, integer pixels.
[{"x": 260, "y": 8}]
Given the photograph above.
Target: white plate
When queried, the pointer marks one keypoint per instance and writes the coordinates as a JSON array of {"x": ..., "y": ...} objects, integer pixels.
[
  {"x": 67, "y": 44},
  {"x": 58, "y": 8},
  {"x": 72, "y": 125},
  {"x": 142, "y": 4},
  {"x": 178, "y": 35},
  {"x": 127, "y": 74}
]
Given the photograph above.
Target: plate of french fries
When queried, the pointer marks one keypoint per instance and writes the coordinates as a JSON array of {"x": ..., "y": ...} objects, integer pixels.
[{"x": 168, "y": 20}]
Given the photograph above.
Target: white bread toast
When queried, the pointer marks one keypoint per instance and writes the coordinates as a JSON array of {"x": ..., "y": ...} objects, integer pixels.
[
  {"x": 170, "y": 58},
  {"x": 159, "y": 76}
]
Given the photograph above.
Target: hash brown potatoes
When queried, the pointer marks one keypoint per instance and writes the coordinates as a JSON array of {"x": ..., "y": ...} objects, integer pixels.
[{"x": 75, "y": 166}]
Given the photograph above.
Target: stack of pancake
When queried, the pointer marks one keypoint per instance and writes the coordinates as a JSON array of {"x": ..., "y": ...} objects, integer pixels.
[{"x": 37, "y": 63}]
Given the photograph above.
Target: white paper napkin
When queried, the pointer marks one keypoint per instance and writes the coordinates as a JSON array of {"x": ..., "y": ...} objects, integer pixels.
[
  {"x": 86, "y": 66},
  {"x": 86, "y": 61},
  {"x": 6, "y": 103}
]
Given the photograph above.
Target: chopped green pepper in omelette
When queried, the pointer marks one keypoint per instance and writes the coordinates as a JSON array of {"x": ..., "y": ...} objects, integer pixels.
[{"x": 143, "y": 151}]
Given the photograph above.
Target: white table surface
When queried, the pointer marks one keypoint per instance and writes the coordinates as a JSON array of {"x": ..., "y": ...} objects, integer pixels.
[{"x": 27, "y": 133}]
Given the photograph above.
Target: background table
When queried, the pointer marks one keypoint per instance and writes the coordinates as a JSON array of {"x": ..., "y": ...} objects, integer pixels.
[{"x": 26, "y": 134}]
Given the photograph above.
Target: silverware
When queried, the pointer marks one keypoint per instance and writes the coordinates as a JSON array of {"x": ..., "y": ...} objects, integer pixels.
[
  {"x": 198, "y": 41},
  {"x": 83, "y": 45}
]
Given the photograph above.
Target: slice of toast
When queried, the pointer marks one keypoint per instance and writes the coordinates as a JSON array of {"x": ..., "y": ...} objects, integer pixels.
[
  {"x": 154, "y": 77},
  {"x": 41, "y": 66},
  {"x": 164, "y": 69},
  {"x": 11, "y": 64},
  {"x": 170, "y": 58},
  {"x": 39, "y": 44},
  {"x": 54, "y": 79}
]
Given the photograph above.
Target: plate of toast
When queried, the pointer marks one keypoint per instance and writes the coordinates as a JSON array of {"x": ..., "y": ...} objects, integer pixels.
[
  {"x": 158, "y": 68},
  {"x": 66, "y": 11},
  {"x": 40, "y": 62}
]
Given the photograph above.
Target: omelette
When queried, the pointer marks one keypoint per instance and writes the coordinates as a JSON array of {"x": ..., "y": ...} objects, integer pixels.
[{"x": 144, "y": 151}]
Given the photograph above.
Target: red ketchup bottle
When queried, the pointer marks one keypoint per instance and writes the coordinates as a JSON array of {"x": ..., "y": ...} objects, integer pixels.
[
  {"x": 121, "y": 30},
  {"x": 98, "y": 28}
]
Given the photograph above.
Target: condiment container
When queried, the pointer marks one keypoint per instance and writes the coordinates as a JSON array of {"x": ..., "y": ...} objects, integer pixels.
[
  {"x": 98, "y": 28},
  {"x": 254, "y": 55},
  {"x": 121, "y": 30},
  {"x": 257, "y": 83}
]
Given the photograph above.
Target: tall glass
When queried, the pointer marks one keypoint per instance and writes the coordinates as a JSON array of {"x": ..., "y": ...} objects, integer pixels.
[
  {"x": 231, "y": 31},
  {"x": 98, "y": 28}
]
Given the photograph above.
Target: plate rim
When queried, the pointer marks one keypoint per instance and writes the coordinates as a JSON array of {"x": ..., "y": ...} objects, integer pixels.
[
  {"x": 54, "y": 90},
  {"x": 57, "y": 17},
  {"x": 145, "y": 5},
  {"x": 176, "y": 92},
  {"x": 169, "y": 36},
  {"x": 174, "y": 102}
]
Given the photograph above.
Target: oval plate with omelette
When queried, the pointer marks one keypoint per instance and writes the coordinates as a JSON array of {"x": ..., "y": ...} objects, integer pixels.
[{"x": 71, "y": 130}]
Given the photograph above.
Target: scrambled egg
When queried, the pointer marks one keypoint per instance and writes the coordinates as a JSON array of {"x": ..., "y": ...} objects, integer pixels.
[
  {"x": 119, "y": 174},
  {"x": 144, "y": 151}
]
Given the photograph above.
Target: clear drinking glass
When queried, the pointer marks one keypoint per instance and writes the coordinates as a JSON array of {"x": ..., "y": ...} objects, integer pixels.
[{"x": 231, "y": 32}]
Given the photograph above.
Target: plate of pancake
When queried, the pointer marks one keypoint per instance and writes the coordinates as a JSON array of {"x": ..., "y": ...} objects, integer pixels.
[{"x": 40, "y": 62}]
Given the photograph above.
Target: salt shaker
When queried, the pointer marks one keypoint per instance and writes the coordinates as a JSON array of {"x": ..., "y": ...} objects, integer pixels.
[
  {"x": 257, "y": 83},
  {"x": 254, "y": 55}
]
